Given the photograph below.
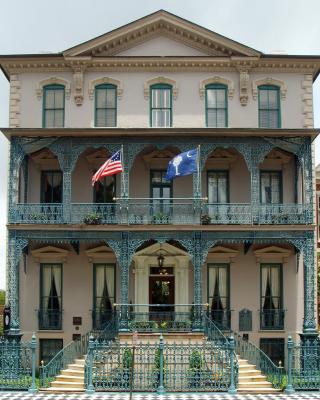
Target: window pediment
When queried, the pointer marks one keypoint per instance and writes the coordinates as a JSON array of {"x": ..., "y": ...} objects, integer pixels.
[
  {"x": 269, "y": 81},
  {"x": 225, "y": 254},
  {"x": 51, "y": 253},
  {"x": 45, "y": 158},
  {"x": 157, "y": 80},
  {"x": 216, "y": 79},
  {"x": 52, "y": 81},
  {"x": 99, "y": 253},
  {"x": 105, "y": 80},
  {"x": 158, "y": 158},
  {"x": 272, "y": 253}
]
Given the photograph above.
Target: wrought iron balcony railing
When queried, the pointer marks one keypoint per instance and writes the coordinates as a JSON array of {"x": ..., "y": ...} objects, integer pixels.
[
  {"x": 151, "y": 211},
  {"x": 50, "y": 319},
  {"x": 272, "y": 319},
  {"x": 101, "y": 317},
  {"x": 222, "y": 318}
]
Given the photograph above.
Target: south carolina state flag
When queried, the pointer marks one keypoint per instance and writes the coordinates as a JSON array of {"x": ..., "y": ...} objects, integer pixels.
[{"x": 182, "y": 164}]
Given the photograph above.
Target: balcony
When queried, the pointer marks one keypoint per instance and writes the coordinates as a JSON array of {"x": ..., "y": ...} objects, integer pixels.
[
  {"x": 50, "y": 319},
  {"x": 173, "y": 212},
  {"x": 272, "y": 319}
]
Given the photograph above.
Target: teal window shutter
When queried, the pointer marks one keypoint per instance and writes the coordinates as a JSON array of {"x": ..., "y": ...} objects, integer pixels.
[
  {"x": 216, "y": 106},
  {"x": 53, "y": 106},
  {"x": 105, "y": 105},
  {"x": 269, "y": 106},
  {"x": 161, "y": 106}
]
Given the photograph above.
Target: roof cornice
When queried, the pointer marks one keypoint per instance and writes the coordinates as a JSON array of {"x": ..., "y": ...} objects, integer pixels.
[{"x": 160, "y": 132}]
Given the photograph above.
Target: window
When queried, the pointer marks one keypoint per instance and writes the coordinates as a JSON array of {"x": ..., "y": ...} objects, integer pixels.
[
  {"x": 53, "y": 106},
  {"x": 218, "y": 187},
  {"x": 104, "y": 293},
  {"x": 104, "y": 191},
  {"x": 50, "y": 313},
  {"x": 49, "y": 348},
  {"x": 51, "y": 187},
  {"x": 271, "y": 187},
  {"x": 216, "y": 106},
  {"x": 218, "y": 294},
  {"x": 269, "y": 106},
  {"x": 274, "y": 349},
  {"x": 161, "y": 193},
  {"x": 272, "y": 315},
  {"x": 161, "y": 106},
  {"x": 105, "y": 105}
]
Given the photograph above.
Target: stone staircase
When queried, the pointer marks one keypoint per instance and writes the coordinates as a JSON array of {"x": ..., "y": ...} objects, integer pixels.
[
  {"x": 251, "y": 380},
  {"x": 70, "y": 380}
]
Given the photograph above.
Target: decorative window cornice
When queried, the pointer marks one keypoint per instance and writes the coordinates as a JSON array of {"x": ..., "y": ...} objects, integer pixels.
[
  {"x": 272, "y": 253},
  {"x": 50, "y": 253},
  {"x": 106, "y": 80},
  {"x": 53, "y": 81},
  {"x": 160, "y": 79},
  {"x": 269, "y": 81},
  {"x": 216, "y": 79}
]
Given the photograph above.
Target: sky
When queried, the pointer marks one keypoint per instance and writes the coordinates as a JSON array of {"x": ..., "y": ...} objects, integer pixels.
[{"x": 34, "y": 26}]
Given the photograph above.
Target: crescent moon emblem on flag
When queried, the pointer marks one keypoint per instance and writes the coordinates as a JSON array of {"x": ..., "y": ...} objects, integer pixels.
[{"x": 188, "y": 154}]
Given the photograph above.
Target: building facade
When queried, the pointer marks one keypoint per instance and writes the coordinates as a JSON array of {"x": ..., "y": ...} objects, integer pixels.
[{"x": 238, "y": 239}]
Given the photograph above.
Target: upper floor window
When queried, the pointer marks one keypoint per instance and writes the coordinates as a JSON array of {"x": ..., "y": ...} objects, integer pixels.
[
  {"x": 104, "y": 191},
  {"x": 161, "y": 105},
  {"x": 216, "y": 106},
  {"x": 51, "y": 187},
  {"x": 271, "y": 187},
  {"x": 269, "y": 106},
  {"x": 218, "y": 187},
  {"x": 53, "y": 106},
  {"x": 105, "y": 105}
]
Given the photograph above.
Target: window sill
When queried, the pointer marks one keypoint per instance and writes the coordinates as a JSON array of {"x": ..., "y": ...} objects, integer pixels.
[
  {"x": 272, "y": 330},
  {"x": 50, "y": 330}
]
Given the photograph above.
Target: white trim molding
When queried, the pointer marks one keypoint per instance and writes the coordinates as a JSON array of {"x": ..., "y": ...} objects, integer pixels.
[
  {"x": 100, "y": 254},
  {"x": 50, "y": 253},
  {"x": 216, "y": 79},
  {"x": 106, "y": 80},
  {"x": 160, "y": 79},
  {"x": 51, "y": 81},
  {"x": 272, "y": 253},
  {"x": 269, "y": 81}
]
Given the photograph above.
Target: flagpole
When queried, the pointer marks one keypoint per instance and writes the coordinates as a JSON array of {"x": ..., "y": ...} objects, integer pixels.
[
  {"x": 199, "y": 172},
  {"x": 122, "y": 175}
]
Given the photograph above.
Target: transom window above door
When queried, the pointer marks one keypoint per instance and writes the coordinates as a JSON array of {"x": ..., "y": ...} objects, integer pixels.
[{"x": 161, "y": 106}]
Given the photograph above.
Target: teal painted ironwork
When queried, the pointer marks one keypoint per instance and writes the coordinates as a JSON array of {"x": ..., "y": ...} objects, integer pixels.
[
  {"x": 33, "y": 388},
  {"x": 173, "y": 212},
  {"x": 17, "y": 365},
  {"x": 59, "y": 362},
  {"x": 272, "y": 319},
  {"x": 186, "y": 367},
  {"x": 305, "y": 365},
  {"x": 88, "y": 368},
  {"x": 161, "y": 389},
  {"x": 232, "y": 388},
  {"x": 289, "y": 387}
]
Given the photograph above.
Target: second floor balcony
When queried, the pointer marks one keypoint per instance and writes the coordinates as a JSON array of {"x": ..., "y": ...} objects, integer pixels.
[{"x": 153, "y": 211}]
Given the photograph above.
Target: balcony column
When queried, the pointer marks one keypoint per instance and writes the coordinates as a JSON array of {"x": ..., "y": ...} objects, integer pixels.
[
  {"x": 306, "y": 162},
  {"x": 16, "y": 157},
  {"x": 14, "y": 252},
  {"x": 310, "y": 282},
  {"x": 197, "y": 283}
]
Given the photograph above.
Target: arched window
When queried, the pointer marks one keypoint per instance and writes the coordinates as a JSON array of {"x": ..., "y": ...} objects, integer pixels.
[
  {"x": 105, "y": 105},
  {"x": 53, "y": 106},
  {"x": 161, "y": 105},
  {"x": 216, "y": 106},
  {"x": 269, "y": 106}
]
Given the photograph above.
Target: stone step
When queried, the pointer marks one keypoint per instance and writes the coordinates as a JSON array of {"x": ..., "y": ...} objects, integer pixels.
[
  {"x": 258, "y": 390},
  {"x": 178, "y": 337},
  {"x": 67, "y": 384},
  {"x": 254, "y": 384},
  {"x": 249, "y": 372},
  {"x": 61, "y": 390},
  {"x": 73, "y": 372},
  {"x": 80, "y": 361},
  {"x": 78, "y": 367},
  {"x": 248, "y": 378},
  {"x": 70, "y": 378}
]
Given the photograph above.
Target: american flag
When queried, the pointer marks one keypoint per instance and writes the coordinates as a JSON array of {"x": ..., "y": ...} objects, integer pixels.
[{"x": 112, "y": 166}]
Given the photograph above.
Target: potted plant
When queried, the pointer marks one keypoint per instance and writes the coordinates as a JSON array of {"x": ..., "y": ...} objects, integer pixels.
[
  {"x": 92, "y": 219},
  {"x": 196, "y": 363},
  {"x": 205, "y": 219},
  {"x": 127, "y": 360}
]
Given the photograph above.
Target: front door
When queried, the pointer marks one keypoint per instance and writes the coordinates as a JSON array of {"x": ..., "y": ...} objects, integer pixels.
[{"x": 161, "y": 296}]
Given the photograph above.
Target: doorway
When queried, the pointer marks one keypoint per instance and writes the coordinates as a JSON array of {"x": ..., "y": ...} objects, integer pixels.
[{"x": 161, "y": 296}]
